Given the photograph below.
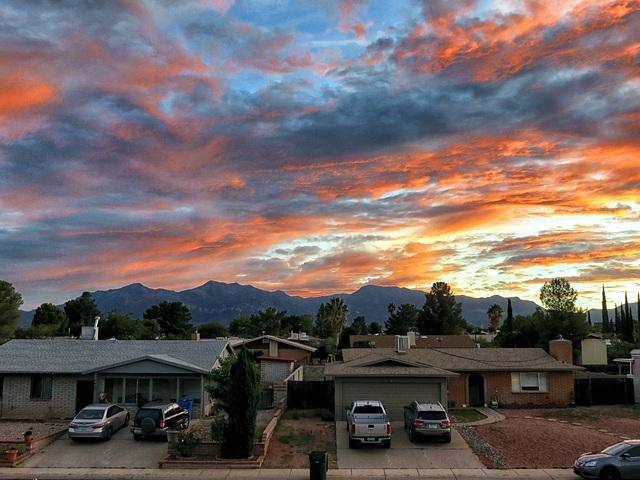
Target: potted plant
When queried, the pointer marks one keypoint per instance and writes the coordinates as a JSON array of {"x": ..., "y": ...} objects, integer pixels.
[
  {"x": 28, "y": 435},
  {"x": 186, "y": 443},
  {"x": 12, "y": 455}
]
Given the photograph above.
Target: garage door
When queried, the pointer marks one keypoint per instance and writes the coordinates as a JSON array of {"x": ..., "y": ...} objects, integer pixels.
[{"x": 393, "y": 393}]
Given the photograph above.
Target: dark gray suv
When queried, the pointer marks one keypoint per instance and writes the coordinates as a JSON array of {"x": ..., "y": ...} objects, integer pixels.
[
  {"x": 157, "y": 418},
  {"x": 428, "y": 420}
]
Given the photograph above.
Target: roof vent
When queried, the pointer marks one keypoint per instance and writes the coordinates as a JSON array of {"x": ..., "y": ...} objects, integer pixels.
[{"x": 402, "y": 343}]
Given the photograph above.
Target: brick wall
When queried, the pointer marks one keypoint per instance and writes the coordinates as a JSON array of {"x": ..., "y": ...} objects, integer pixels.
[
  {"x": 498, "y": 384},
  {"x": 17, "y": 404}
]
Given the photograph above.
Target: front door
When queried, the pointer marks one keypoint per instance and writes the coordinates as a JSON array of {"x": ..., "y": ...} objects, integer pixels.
[
  {"x": 476, "y": 389},
  {"x": 84, "y": 394}
]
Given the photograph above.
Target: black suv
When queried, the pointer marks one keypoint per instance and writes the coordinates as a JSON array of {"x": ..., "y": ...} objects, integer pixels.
[
  {"x": 427, "y": 420},
  {"x": 156, "y": 419}
]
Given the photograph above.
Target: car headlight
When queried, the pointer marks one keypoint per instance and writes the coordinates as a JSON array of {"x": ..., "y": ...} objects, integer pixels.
[{"x": 592, "y": 463}]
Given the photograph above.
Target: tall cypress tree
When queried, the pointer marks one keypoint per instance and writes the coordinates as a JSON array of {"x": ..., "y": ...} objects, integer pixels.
[
  {"x": 605, "y": 314},
  {"x": 243, "y": 410}
]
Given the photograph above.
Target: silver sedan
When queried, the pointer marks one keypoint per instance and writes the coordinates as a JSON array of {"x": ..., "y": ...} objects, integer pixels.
[{"x": 100, "y": 420}]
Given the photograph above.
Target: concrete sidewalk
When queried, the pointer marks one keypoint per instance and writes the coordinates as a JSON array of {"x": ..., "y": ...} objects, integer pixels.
[{"x": 270, "y": 474}]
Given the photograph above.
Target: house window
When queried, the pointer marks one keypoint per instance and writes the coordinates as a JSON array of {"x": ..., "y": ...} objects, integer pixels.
[
  {"x": 41, "y": 387},
  {"x": 529, "y": 382}
]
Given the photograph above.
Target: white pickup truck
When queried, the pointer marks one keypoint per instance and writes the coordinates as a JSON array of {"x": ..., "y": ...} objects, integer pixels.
[{"x": 367, "y": 423}]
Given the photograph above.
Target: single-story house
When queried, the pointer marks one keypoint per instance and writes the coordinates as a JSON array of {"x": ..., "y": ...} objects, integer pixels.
[
  {"x": 454, "y": 376},
  {"x": 56, "y": 378}
]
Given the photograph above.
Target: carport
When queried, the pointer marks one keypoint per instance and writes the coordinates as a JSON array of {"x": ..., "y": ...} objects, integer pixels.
[{"x": 367, "y": 374}]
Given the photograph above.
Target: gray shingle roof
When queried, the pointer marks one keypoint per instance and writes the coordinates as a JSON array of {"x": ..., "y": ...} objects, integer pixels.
[
  {"x": 376, "y": 361},
  {"x": 86, "y": 356}
]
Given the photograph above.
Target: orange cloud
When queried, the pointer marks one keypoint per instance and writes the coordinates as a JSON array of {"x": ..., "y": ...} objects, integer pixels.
[{"x": 19, "y": 91}]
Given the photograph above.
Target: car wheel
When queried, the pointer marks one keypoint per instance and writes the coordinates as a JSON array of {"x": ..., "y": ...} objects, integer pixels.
[
  {"x": 352, "y": 443},
  {"x": 386, "y": 444},
  {"x": 148, "y": 425},
  {"x": 185, "y": 423},
  {"x": 447, "y": 440},
  {"x": 126, "y": 420},
  {"x": 137, "y": 436},
  {"x": 109, "y": 434},
  {"x": 412, "y": 435},
  {"x": 609, "y": 474}
]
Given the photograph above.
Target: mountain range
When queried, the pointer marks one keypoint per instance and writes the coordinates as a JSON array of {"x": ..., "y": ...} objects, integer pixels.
[{"x": 223, "y": 302}]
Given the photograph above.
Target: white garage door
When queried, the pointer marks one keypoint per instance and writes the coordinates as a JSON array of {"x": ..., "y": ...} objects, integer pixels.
[{"x": 393, "y": 393}]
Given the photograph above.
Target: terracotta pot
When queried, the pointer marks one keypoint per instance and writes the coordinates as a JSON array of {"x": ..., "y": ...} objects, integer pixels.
[
  {"x": 12, "y": 455},
  {"x": 28, "y": 438}
]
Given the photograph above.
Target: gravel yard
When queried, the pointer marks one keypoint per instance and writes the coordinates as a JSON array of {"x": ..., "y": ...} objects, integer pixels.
[
  {"x": 14, "y": 429},
  {"x": 549, "y": 438}
]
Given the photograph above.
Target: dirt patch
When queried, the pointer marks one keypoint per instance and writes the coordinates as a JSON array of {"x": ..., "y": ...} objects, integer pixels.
[
  {"x": 293, "y": 439},
  {"x": 554, "y": 438},
  {"x": 14, "y": 429}
]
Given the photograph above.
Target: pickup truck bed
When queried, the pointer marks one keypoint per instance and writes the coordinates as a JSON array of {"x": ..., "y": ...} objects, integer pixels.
[{"x": 367, "y": 423}]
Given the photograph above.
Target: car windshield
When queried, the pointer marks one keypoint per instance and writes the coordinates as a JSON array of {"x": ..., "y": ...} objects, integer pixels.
[
  {"x": 432, "y": 416},
  {"x": 91, "y": 414},
  {"x": 616, "y": 449}
]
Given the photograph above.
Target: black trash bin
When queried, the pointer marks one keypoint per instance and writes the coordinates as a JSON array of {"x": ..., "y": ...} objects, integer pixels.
[{"x": 318, "y": 465}]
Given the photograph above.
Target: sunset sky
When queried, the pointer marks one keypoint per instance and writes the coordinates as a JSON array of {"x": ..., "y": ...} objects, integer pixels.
[{"x": 318, "y": 146}]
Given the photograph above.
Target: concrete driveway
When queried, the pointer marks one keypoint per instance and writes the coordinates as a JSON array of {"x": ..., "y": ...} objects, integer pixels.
[
  {"x": 404, "y": 454},
  {"x": 122, "y": 451}
]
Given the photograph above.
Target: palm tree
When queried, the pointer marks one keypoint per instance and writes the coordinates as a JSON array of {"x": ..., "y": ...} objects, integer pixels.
[
  {"x": 336, "y": 314},
  {"x": 495, "y": 313}
]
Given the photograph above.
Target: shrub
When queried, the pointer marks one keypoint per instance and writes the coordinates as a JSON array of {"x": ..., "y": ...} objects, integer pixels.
[{"x": 187, "y": 443}]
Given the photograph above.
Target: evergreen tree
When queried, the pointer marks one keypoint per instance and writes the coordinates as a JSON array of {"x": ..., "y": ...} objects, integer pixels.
[
  {"x": 81, "y": 312},
  {"x": 375, "y": 328},
  {"x": 605, "y": 314},
  {"x": 507, "y": 326},
  {"x": 359, "y": 326},
  {"x": 617, "y": 320},
  {"x": 321, "y": 327},
  {"x": 243, "y": 410},
  {"x": 441, "y": 314},
  {"x": 401, "y": 320}
]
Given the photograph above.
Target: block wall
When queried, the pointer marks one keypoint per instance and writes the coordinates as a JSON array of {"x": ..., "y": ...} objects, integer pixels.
[{"x": 17, "y": 404}]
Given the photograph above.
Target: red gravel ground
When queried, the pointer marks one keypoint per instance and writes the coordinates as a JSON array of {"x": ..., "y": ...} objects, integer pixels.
[{"x": 554, "y": 438}]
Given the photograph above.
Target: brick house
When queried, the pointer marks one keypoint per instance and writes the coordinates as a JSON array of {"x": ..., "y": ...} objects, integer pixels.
[
  {"x": 455, "y": 376},
  {"x": 42, "y": 379}
]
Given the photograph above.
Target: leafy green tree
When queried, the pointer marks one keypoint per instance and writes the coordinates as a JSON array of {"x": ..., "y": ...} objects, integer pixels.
[
  {"x": 10, "y": 302},
  {"x": 375, "y": 328},
  {"x": 213, "y": 330},
  {"x": 173, "y": 319},
  {"x": 441, "y": 314},
  {"x": 401, "y": 320},
  {"x": 81, "y": 312},
  {"x": 220, "y": 388},
  {"x": 238, "y": 438},
  {"x": 558, "y": 295},
  {"x": 124, "y": 327},
  {"x": 494, "y": 313},
  {"x": 269, "y": 321},
  {"x": 50, "y": 315},
  {"x": 360, "y": 326},
  {"x": 243, "y": 327},
  {"x": 296, "y": 324}
]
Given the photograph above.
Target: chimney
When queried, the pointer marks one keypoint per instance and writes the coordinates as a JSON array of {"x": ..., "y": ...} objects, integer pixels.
[
  {"x": 195, "y": 336},
  {"x": 562, "y": 350}
]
